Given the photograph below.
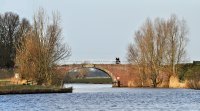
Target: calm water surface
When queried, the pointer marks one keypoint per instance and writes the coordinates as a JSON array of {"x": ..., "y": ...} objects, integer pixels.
[{"x": 95, "y": 97}]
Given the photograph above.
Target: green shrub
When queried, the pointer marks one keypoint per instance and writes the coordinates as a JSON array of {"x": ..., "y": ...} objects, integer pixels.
[{"x": 193, "y": 77}]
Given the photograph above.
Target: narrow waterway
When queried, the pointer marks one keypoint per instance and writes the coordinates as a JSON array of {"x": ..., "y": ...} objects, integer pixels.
[{"x": 102, "y": 97}]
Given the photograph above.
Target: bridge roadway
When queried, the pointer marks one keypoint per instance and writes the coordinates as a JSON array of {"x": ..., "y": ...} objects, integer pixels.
[{"x": 121, "y": 74}]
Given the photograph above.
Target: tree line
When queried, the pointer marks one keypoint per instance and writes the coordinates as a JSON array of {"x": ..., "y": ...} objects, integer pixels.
[{"x": 12, "y": 29}]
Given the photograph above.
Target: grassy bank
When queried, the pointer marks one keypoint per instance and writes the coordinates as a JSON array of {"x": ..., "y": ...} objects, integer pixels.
[
  {"x": 4, "y": 82},
  {"x": 31, "y": 89},
  {"x": 93, "y": 80}
]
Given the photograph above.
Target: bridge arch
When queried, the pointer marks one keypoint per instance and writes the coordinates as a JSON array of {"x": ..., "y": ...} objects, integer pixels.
[
  {"x": 120, "y": 73},
  {"x": 112, "y": 76}
]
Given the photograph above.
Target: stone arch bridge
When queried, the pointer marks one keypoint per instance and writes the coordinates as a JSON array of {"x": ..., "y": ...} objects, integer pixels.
[{"x": 120, "y": 73}]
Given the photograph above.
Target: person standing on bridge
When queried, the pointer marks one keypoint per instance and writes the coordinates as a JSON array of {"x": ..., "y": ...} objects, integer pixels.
[{"x": 117, "y": 60}]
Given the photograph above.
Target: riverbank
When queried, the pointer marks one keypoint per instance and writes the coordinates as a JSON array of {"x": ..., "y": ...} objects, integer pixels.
[
  {"x": 93, "y": 80},
  {"x": 32, "y": 89}
]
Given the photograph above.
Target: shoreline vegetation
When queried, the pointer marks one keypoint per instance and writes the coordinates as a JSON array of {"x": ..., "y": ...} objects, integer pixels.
[
  {"x": 10, "y": 86},
  {"x": 92, "y": 80},
  {"x": 32, "y": 89},
  {"x": 30, "y": 53}
]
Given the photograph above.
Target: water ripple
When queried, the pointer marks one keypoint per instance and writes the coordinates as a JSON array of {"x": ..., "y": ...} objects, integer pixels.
[{"x": 105, "y": 99}]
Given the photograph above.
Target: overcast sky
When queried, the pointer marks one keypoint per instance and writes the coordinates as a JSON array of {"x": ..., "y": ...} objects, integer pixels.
[{"x": 102, "y": 29}]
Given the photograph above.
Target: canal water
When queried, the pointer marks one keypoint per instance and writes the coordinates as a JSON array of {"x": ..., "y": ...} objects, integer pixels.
[{"x": 101, "y": 97}]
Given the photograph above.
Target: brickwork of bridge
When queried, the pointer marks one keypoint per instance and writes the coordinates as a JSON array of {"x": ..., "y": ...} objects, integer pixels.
[{"x": 120, "y": 73}]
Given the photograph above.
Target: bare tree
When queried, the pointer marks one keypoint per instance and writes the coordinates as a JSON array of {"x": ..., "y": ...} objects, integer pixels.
[
  {"x": 177, "y": 41},
  {"x": 157, "y": 45},
  {"x": 44, "y": 49},
  {"x": 138, "y": 60}
]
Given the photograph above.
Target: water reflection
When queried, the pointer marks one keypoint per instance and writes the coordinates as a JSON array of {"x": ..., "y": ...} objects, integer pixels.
[{"x": 79, "y": 88}]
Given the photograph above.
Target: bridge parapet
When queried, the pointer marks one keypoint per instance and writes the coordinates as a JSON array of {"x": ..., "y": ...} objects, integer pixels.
[{"x": 95, "y": 62}]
